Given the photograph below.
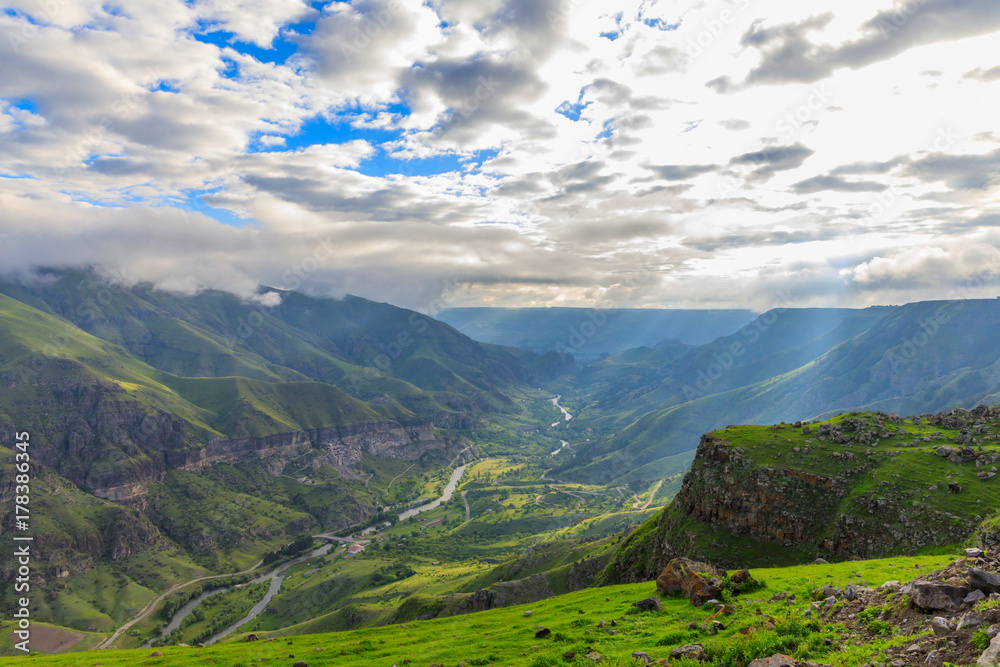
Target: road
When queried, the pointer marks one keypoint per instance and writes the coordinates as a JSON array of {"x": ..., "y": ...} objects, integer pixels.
[
  {"x": 651, "y": 496},
  {"x": 144, "y": 612},
  {"x": 468, "y": 511}
]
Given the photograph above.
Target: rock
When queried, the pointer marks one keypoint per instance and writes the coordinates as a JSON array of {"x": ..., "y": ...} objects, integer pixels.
[
  {"x": 527, "y": 613},
  {"x": 569, "y": 655},
  {"x": 933, "y": 659},
  {"x": 974, "y": 596},
  {"x": 776, "y": 660},
  {"x": 984, "y": 581},
  {"x": 300, "y": 663},
  {"x": 594, "y": 656},
  {"x": 819, "y": 561},
  {"x": 649, "y": 604},
  {"x": 641, "y": 655},
  {"x": 933, "y": 595},
  {"x": 542, "y": 632},
  {"x": 954, "y": 487},
  {"x": 941, "y": 626},
  {"x": 156, "y": 654},
  {"x": 914, "y": 648},
  {"x": 974, "y": 552},
  {"x": 970, "y": 620},
  {"x": 690, "y": 651},
  {"x": 989, "y": 657},
  {"x": 743, "y": 580},
  {"x": 944, "y": 451},
  {"x": 251, "y": 638},
  {"x": 893, "y": 586},
  {"x": 669, "y": 581},
  {"x": 699, "y": 589}
]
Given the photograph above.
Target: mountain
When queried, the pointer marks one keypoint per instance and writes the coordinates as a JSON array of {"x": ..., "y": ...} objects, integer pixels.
[
  {"x": 921, "y": 357},
  {"x": 589, "y": 334},
  {"x": 858, "y": 485},
  {"x": 209, "y": 429}
]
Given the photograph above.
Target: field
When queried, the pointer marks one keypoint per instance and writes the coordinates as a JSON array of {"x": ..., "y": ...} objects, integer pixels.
[{"x": 507, "y": 636}]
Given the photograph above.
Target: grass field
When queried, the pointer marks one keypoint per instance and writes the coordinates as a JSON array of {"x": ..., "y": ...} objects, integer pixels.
[{"x": 507, "y": 636}]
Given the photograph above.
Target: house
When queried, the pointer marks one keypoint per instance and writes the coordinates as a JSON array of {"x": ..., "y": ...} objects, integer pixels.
[{"x": 354, "y": 549}]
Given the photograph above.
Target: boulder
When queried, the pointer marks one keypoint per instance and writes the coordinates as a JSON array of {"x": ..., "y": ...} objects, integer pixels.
[
  {"x": 937, "y": 596},
  {"x": 669, "y": 581},
  {"x": 542, "y": 632},
  {"x": 776, "y": 660},
  {"x": 641, "y": 655},
  {"x": 970, "y": 620},
  {"x": 974, "y": 596},
  {"x": 944, "y": 451},
  {"x": 989, "y": 657},
  {"x": 941, "y": 626},
  {"x": 954, "y": 487},
  {"x": 699, "y": 589},
  {"x": 649, "y": 604},
  {"x": 984, "y": 581},
  {"x": 690, "y": 651},
  {"x": 974, "y": 553},
  {"x": 743, "y": 580}
]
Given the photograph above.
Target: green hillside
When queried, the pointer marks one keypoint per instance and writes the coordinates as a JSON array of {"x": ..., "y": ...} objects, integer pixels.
[{"x": 861, "y": 484}]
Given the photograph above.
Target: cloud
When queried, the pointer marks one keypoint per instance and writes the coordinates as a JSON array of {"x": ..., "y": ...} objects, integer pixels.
[
  {"x": 772, "y": 160},
  {"x": 987, "y": 75},
  {"x": 836, "y": 183}
]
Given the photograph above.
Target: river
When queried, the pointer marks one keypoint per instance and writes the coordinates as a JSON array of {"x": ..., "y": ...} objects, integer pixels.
[
  {"x": 566, "y": 414},
  {"x": 449, "y": 490}
]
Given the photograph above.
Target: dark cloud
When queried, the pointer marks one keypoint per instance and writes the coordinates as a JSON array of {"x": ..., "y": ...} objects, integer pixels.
[
  {"x": 959, "y": 172},
  {"x": 836, "y": 183},
  {"x": 788, "y": 54},
  {"x": 680, "y": 172},
  {"x": 772, "y": 160},
  {"x": 862, "y": 168},
  {"x": 735, "y": 124}
]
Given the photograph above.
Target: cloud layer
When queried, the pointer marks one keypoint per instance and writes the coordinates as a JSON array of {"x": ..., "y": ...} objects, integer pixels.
[{"x": 508, "y": 152}]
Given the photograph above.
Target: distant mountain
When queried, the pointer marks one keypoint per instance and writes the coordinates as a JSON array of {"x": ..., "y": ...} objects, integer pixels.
[
  {"x": 917, "y": 358},
  {"x": 588, "y": 334}
]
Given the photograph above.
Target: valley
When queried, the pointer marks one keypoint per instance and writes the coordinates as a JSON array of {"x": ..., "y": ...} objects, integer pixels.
[{"x": 367, "y": 467}]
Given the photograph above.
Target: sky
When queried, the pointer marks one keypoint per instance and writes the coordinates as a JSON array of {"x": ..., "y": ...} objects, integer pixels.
[{"x": 735, "y": 153}]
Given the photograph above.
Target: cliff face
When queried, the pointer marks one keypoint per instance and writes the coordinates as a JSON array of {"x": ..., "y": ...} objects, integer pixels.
[
  {"x": 859, "y": 487},
  {"x": 341, "y": 447}
]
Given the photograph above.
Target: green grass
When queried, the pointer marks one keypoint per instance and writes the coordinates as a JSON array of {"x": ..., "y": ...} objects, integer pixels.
[{"x": 506, "y": 636}]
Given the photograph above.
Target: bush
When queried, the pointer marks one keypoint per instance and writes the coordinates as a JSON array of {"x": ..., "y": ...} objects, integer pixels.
[{"x": 980, "y": 639}]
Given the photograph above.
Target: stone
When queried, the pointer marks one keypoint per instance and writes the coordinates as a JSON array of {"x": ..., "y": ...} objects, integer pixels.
[
  {"x": 156, "y": 654},
  {"x": 933, "y": 595},
  {"x": 300, "y": 663},
  {"x": 989, "y": 657},
  {"x": 527, "y": 613},
  {"x": 821, "y": 561},
  {"x": 648, "y": 604},
  {"x": 542, "y": 632},
  {"x": 251, "y": 637},
  {"x": 743, "y": 580},
  {"x": 690, "y": 651},
  {"x": 933, "y": 659},
  {"x": 699, "y": 589},
  {"x": 984, "y": 581},
  {"x": 893, "y": 586},
  {"x": 642, "y": 655},
  {"x": 594, "y": 656},
  {"x": 669, "y": 581},
  {"x": 954, "y": 487},
  {"x": 974, "y": 596},
  {"x": 941, "y": 626},
  {"x": 569, "y": 655},
  {"x": 970, "y": 620},
  {"x": 914, "y": 648},
  {"x": 776, "y": 660}
]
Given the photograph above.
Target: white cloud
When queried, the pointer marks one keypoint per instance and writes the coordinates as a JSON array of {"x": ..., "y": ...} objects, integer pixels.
[{"x": 830, "y": 161}]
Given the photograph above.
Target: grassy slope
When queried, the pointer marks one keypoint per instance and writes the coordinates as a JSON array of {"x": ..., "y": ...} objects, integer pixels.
[
  {"x": 506, "y": 636},
  {"x": 898, "y": 487}
]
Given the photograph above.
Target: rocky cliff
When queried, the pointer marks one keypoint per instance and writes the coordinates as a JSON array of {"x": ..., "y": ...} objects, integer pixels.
[{"x": 857, "y": 486}]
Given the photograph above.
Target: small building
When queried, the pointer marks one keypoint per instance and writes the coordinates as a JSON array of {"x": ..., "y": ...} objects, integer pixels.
[{"x": 354, "y": 549}]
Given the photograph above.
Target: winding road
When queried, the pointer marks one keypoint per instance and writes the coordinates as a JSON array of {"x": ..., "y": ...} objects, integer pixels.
[{"x": 468, "y": 511}]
